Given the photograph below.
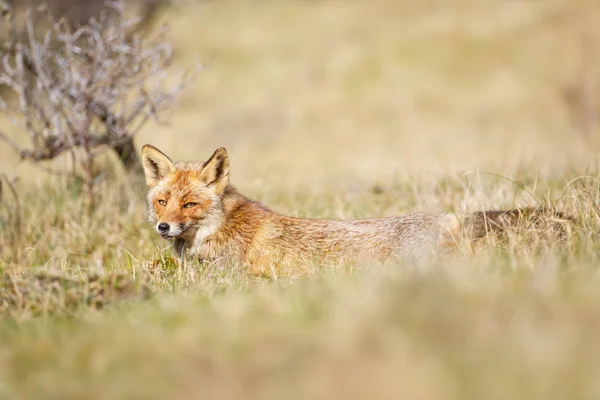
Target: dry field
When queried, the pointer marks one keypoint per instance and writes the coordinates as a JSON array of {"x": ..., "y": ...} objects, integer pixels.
[{"x": 338, "y": 109}]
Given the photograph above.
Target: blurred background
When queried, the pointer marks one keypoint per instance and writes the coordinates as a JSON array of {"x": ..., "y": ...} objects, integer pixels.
[
  {"x": 326, "y": 89},
  {"x": 328, "y": 108}
]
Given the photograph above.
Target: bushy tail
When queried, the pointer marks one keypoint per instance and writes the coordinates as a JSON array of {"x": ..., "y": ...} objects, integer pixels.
[{"x": 481, "y": 223}]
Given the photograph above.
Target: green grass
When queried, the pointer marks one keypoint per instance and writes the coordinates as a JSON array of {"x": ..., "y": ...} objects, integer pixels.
[
  {"x": 515, "y": 319},
  {"x": 337, "y": 110}
]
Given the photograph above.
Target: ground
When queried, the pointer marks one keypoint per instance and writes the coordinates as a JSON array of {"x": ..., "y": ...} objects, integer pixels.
[{"x": 340, "y": 110}]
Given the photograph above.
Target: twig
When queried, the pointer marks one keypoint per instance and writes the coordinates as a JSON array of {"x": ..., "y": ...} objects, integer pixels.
[
  {"x": 10, "y": 143},
  {"x": 17, "y": 213}
]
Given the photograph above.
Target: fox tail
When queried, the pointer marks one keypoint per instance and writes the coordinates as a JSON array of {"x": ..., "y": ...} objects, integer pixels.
[{"x": 479, "y": 224}]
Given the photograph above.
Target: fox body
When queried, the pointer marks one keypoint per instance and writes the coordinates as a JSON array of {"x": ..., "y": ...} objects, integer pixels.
[{"x": 195, "y": 205}]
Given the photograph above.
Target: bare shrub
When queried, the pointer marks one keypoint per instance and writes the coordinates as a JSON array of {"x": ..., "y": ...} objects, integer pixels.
[
  {"x": 79, "y": 12},
  {"x": 82, "y": 89}
]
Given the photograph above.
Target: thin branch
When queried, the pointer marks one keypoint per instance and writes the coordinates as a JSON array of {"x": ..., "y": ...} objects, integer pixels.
[
  {"x": 17, "y": 212},
  {"x": 64, "y": 174},
  {"x": 11, "y": 143}
]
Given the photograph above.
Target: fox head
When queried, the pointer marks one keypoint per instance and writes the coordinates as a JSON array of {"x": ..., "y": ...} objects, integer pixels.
[{"x": 185, "y": 198}]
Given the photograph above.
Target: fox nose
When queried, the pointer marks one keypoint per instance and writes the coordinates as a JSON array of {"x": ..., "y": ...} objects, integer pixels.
[{"x": 163, "y": 227}]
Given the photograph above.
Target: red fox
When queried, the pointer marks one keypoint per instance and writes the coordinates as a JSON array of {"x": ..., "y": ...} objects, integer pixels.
[{"x": 195, "y": 205}]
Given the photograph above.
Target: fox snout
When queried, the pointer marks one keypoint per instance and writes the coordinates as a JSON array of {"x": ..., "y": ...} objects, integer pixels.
[{"x": 169, "y": 231}]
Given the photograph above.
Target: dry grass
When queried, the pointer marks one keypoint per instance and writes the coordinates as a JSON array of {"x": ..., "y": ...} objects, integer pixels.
[{"x": 330, "y": 109}]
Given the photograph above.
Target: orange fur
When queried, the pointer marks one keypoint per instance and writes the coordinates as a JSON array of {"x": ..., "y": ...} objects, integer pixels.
[{"x": 209, "y": 219}]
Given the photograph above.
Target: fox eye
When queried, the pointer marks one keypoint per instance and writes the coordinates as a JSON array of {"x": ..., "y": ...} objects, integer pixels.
[
  {"x": 162, "y": 202},
  {"x": 189, "y": 205}
]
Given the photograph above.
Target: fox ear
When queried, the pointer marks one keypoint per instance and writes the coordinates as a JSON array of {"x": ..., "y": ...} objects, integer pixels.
[
  {"x": 156, "y": 165},
  {"x": 216, "y": 170}
]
